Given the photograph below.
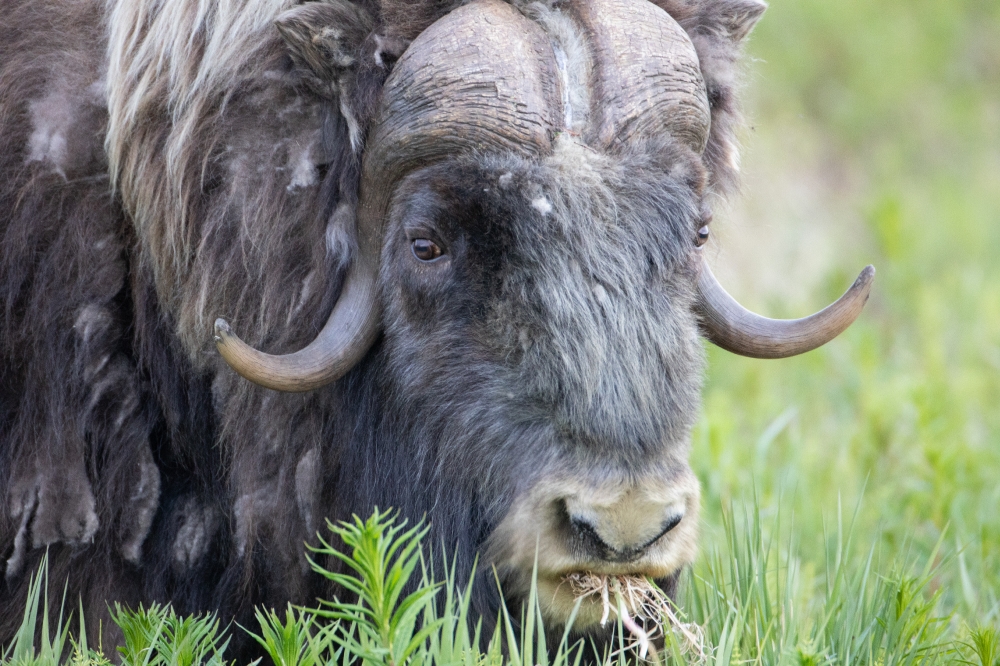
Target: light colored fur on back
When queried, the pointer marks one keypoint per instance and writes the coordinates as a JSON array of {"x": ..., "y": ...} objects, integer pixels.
[
  {"x": 185, "y": 58},
  {"x": 215, "y": 150}
]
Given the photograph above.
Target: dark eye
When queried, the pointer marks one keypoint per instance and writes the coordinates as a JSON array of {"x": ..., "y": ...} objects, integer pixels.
[
  {"x": 426, "y": 250},
  {"x": 701, "y": 237}
]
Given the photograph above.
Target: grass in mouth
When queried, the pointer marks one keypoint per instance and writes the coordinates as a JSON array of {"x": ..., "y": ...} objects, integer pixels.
[{"x": 643, "y": 608}]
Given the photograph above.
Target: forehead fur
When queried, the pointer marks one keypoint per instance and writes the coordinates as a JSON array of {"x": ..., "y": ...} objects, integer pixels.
[{"x": 573, "y": 276}]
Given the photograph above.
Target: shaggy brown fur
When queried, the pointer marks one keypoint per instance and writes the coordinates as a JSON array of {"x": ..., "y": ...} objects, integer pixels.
[{"x": 163, "y": 164}]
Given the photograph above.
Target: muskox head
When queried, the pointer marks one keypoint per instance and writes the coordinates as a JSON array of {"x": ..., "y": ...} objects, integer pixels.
[{"x": 531, "y": 214}]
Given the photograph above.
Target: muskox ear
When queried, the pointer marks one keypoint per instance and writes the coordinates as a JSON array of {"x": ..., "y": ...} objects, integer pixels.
[
  {"x": 324, "y": 39},
  {"x": 729, "y": 19},
  {"x": 735, "y": 17},
  {"x": 718, "y": 29}
]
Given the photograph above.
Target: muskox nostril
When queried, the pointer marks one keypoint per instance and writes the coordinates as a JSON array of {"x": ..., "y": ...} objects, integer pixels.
[
  {"x": 603, "y": 537},
  {"x": 586, "y": 530},
  {"x": 671, "y": 524}
]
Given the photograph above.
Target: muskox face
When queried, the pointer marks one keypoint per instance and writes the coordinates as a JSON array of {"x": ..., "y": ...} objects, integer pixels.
[
  {"x": 549, "y": 338},
  {"x": 532, "y": 207}
]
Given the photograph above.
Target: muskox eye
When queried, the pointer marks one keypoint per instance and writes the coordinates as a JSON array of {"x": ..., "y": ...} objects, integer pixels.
[
  {"x": 702, "y": 237},
  {"x": 426, "y": 250}
]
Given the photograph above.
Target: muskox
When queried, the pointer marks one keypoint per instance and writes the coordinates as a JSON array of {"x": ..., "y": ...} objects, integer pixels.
[{"x": 466, "y": 233}]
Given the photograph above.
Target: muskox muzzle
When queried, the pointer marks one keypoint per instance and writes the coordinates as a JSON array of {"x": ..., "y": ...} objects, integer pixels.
[{"x": 645, "y": 526}]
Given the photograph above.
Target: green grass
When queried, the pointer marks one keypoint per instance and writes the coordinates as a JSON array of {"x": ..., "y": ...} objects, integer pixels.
[
  {"x": 886, "y": 115},
  {"x": 749, "y": 597}
]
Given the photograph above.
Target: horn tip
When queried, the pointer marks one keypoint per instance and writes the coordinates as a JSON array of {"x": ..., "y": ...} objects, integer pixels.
[
  {"x": 222, "y": 331},
  {"x": 865, "y": 279}
]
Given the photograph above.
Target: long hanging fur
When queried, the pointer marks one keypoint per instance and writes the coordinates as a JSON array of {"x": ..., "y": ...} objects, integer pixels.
[{"x": 162, "y": 164}]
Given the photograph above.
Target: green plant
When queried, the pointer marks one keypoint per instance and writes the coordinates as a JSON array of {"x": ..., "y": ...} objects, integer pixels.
[
  {"x": 82, "y": 654},
  {"x": 984, "y": 644},
  {"x": 298, "y": 641},
  {"x": 157, "y": 636},
  {"x": 52, "y": 640},
  {"x": 750, "y": 598},
  {"x": 754, "y": 602},
  {"x": 381, "y": 625}
]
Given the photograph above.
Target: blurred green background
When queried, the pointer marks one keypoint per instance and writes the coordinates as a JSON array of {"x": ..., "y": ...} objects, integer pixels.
[{"x": 874, "y": 137}]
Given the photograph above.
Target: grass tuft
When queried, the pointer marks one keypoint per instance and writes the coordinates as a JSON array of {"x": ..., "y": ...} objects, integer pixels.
[
  {"x": 984, "y": 644},
  {"x": 37, "y": 642},
  {"x": 157, "y": 636}
]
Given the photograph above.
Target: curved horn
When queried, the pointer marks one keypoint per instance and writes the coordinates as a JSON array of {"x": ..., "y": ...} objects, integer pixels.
[
  {"x": 429, "y": 110},
  {"x": 734, "y": 328},
  {"x": 347, "y": 335}
]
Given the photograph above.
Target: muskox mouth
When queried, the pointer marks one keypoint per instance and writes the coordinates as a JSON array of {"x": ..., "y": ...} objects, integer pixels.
[
  {"x": 645, "y": 610},
  {"x": 574, "y": 533}
]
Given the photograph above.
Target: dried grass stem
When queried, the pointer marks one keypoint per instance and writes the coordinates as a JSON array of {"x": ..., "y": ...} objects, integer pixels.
[{"x": 643, "y": 608}]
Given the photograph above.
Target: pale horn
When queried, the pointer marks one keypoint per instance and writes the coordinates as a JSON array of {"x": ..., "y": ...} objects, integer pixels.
[
  {"x": 729, "y": 325},
  {"x": 345, "y": 339}
]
